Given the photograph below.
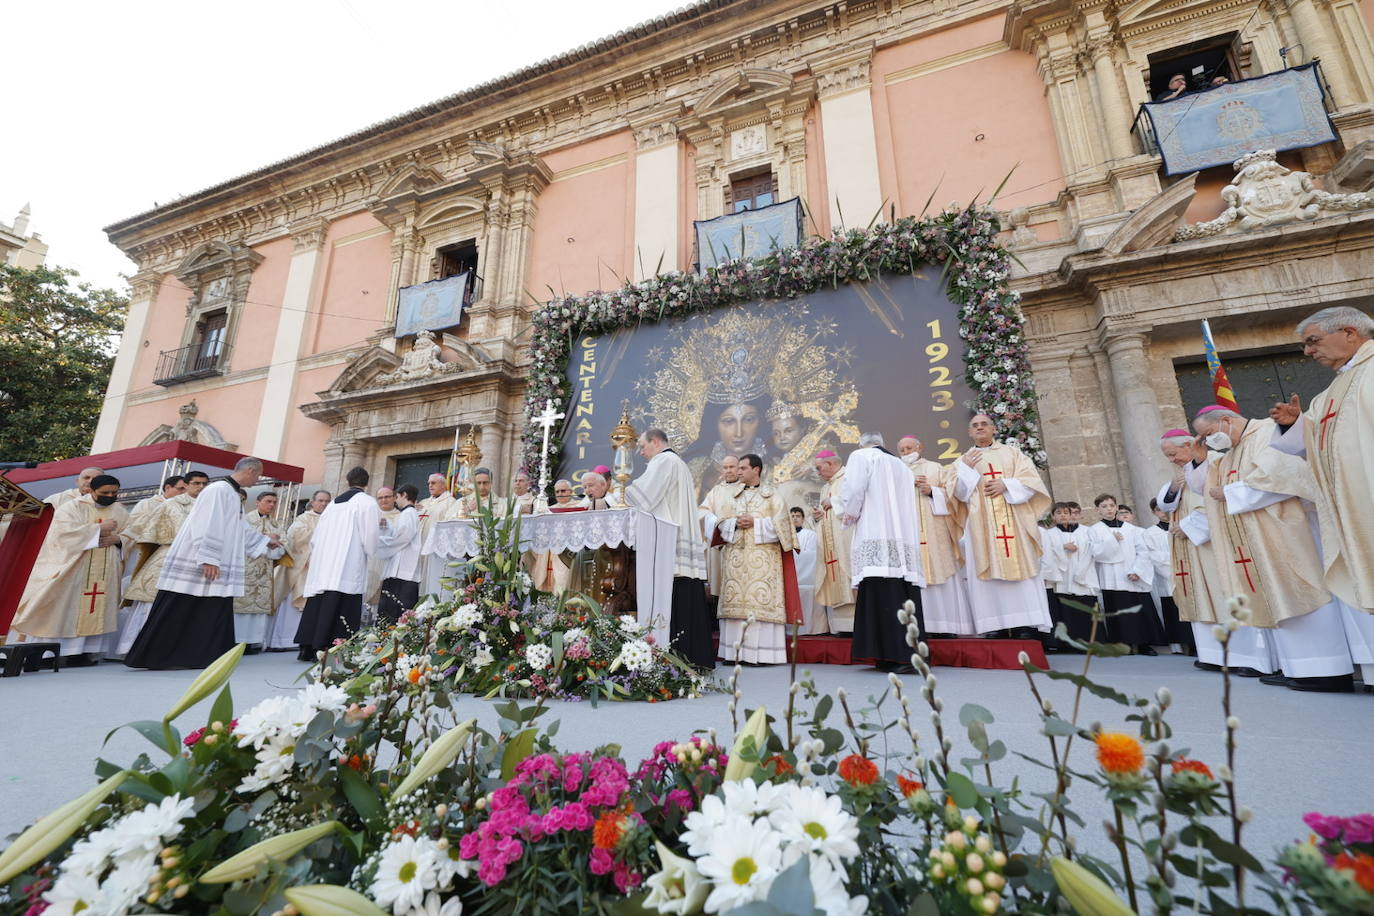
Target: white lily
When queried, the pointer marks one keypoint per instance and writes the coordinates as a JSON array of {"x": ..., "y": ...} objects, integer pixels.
[{"x": 678, "y": 887}]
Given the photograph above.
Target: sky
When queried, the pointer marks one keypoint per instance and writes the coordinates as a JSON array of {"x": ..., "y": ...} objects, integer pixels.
[{"x": 111, "y": 108}]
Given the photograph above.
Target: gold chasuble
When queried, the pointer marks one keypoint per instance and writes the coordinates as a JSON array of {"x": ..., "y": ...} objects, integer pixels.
[
  {"x": 73, "y": 590},
  {"x": 752, "y": 578},
  {"x": 1267, "y": 555},
  {"x": 1339, "y": 434},
  {"x": 153, "y": 534},
  {"x": 1193, "y": 566},
  {"x": 259, "y": 596},
  {"x": 940, "y": 554},
  {"x": 834, "y": 586},
  {"x": 1006, "y": 538}
]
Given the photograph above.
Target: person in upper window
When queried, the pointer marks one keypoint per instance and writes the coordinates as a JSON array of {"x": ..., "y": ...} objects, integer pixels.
[{"x": 1178, "y": 85}]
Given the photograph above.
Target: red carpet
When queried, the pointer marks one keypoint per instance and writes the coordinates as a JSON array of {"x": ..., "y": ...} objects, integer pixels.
[{"x": 950, "y": 653}]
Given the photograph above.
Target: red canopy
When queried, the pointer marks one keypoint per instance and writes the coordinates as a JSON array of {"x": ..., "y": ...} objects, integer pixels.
[
  {"x": 135, "y": 468},
  {"x": 140, "y": 467}
]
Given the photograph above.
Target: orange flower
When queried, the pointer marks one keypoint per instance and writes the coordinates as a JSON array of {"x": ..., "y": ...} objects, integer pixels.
[
  {"x": 909, "y": 787},
  {"x": 1184, "y": 765},
  {"x": 858, "y": 771},
  {"x": 414, "y": 675},
  {"x": 780, "y": 764},
  {"x": 608, "y": 830},
  {"x": 1361, "y": 864},
  {"x": 1119, "y": 753}
]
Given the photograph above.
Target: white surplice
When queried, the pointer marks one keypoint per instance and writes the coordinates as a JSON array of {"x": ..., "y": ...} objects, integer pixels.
[
  {"x": 879, "y": 507},
  {"x": 399, "y": 544},
  {"x": 215, "y": 534},
  {"x": 344, "y": 539},
  {"x": 666, "y": 490},
  {"x": 1069, "y": 572},
  {"x": 1118, "y": 559},
  {"x": 812, "y": 621}
]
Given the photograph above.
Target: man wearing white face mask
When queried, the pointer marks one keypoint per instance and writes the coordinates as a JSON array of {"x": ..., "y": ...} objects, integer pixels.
[{"x": 1267, "y": 550}]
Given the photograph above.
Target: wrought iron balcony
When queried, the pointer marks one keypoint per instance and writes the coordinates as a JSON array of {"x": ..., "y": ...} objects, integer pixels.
[{"x": 186, "y": 364}]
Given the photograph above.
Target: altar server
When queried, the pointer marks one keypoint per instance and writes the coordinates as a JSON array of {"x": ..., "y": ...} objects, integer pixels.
[
  {"x": 812, "y": 615},
  {"x": 1125, "y": 571},
  {"x": 879, "y": 506},
  {"x": 398, "y": 544},
  {"x": 345, "y": 539},
  {"x": 1070, "y": 571},
  {"x": 833, "y": 586}
]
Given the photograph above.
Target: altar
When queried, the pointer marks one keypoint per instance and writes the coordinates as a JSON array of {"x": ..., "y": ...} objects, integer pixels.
[{"x": 653, "y": 541}]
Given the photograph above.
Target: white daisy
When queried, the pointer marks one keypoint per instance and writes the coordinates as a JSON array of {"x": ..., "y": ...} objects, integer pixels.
[
  {"x": 701, "y": 825},
  {"x": 467, "y": 615},
  {"x": 629, "y": 625},
  {"x": 747, "y": 798},
  {"x": 434, "y": 905},
  {"x": 818, "y": 824},
  {"x": 127, "y": 884},
  {"x": 405, "y": 871},
  {"x": 449, "y": 864},
  {"x": 275, "y": 760},
  {"x": 73, "y": 892},
  {"x": 321, "y": 697},
  {"x": 573, "y": 635},
  {"x": 744, "y": 859},
  {"x": 636, "y": 655},
  {"x": 827, "y": 889},
  {"x": 145, "y": 830},
  {"x": 92, "y": 855}
]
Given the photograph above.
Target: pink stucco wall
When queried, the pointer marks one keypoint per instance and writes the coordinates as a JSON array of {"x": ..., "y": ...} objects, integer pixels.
[
  {"x": 928, "y": 126},
  {"x": 306, "y": 438},
  {"x": 350, "y": 295},
  {"x": 232, "y": 409},
  {"x": 817, "y": 190},
  {"x": 162, "y": 331},
  {"x": 596, "y": 210}
]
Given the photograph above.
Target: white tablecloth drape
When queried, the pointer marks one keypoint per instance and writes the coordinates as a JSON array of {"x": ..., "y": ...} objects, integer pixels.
[{"x": 654, "y": 541}]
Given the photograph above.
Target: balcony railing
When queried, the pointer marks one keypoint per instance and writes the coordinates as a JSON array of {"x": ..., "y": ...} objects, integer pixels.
[{"x": 186, "y": 364}]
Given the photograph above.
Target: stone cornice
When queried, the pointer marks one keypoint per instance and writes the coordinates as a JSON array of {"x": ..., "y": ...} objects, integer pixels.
[
  {"x": 581, "y": 95},
  {"x": 333, "y": 406}
]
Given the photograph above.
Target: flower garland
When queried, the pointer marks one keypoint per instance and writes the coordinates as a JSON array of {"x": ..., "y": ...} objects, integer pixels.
[{"x": 962, "y": 241}]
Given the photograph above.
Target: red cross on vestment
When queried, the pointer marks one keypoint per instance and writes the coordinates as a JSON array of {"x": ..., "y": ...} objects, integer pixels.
[
  {"x": 1005, "y": 539},
  {"x": 1330, "y": 414},
  {"x": 1243, "y": 563},
  {"x": 831, "y": 571},
  {"x": 1182, "y": 576},
  {"x": 95, "y": 592},
  {"x": 993, "y": 473}
]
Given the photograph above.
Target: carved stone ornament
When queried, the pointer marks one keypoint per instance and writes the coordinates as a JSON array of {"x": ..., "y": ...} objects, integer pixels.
[
  {"x": 1265, "y": 193},
  {"x": 748, "y": 141},
  {"x": 189, "y": 429},
  {"x": 421, "y": 361}
]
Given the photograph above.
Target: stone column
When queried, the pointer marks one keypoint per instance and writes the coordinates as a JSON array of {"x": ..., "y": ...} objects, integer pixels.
[
  {"x": 278, "y": 398},
  {"x": 1317, "y": 33},
  {"x": 493, "y": 455},
  {"x": 333, "y": 464},
  {"x": 144, "y": 287},
  {"x": 849, "y": 138},
  {"x": 352, "y": 455},
  {"x": 1116, "y": 114},
  {"x": 1138, "y": 410}
]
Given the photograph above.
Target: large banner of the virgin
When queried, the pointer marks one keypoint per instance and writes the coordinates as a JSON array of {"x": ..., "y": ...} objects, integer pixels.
[{"x": 780, "y": 379}]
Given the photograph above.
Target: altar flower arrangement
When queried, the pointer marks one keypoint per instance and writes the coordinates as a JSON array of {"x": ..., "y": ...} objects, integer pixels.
[{"x": 1335, "y": 867}]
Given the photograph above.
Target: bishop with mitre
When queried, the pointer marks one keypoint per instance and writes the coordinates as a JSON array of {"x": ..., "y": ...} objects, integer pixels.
[
  {"x": 1005, "y": 498},
  {"x": 73, "y": 592}
]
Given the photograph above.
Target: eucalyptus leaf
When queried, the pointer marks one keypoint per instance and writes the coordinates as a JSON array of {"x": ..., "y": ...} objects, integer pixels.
[{"x": 961, "y": 789}]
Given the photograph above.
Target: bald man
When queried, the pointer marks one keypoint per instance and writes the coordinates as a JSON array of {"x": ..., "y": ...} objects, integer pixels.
[{"x": 83, "y": 486}]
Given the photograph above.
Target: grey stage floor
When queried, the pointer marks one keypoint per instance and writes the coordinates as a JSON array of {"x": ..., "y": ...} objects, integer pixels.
[{"x": 1298, "y": 752}]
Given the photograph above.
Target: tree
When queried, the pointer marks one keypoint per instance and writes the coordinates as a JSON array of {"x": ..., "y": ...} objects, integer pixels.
[{"x": 58, "y": 339}]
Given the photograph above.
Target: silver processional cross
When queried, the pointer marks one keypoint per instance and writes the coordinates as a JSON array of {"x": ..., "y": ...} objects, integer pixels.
[{"x": 546, "y": 419}]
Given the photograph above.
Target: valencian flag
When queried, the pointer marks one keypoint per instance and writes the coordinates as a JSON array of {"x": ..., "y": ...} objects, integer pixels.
[{"x": 1221, "y": 386}]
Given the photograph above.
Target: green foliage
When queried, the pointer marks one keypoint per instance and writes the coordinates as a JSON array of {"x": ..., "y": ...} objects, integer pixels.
[{"x": 57, "y": 344}]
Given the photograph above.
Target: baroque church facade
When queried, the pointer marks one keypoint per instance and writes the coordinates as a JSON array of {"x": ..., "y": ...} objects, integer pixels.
[{"x": 271, "y": 299}]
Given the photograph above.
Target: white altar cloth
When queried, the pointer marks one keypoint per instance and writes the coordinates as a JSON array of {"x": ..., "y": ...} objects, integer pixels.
[{"x": 654, "y": 541}]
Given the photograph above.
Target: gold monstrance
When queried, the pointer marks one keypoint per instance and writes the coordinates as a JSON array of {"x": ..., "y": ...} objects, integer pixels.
[
  {"x": 469, "y": 457},
  {"x": 623, "y": 439}
]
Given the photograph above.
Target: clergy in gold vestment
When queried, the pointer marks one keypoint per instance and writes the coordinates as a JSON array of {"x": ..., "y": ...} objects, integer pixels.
[
  {"x": 755, "y": 529},
  {"x": 944, "y": 598},
  {"x": 83, "y": 486},
  {"x": 1191, "y": 564},
  {"x": 834, "y": 573},
  {"x": 1004, "y": 498},
  {"x": 151, "y": 536},
  {"x": 1266, "y": 544},
  {"x": 439, "y": 507},
  {"x": 255, "y": 606},
  {"x": 481, "y": 496},
  {"x": 709, "y": 513},
  {"x": 73, "y": 592},
  {"x": 386, "y": 503}
]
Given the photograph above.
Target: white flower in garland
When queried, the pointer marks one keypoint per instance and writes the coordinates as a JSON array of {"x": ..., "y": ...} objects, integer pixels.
[
  {"x": 483, "y": 657},
  {"x": 143, "y": 831},
  {"x": 629, "y": 625},
  {"x": 702, "y": 824},
  {"x": 829, "y": 894},
  {"x": 320, "y": 697},
  {"x": 678, "y": 887},
  {"x": 434, "y": 905},
  {"x": 467, "y": 615},
  {"x": 538, "y": 655},
  {"x": 816, "y": 822},
  {"x": 74, "y": 892},
  {"x": 405, "y": 872},
  {"x": 572, "y": 635},
  {"x": 636, "y": 655},
  {"x": 744, "y": 859},
  {"x": 747, "y": 798}
]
